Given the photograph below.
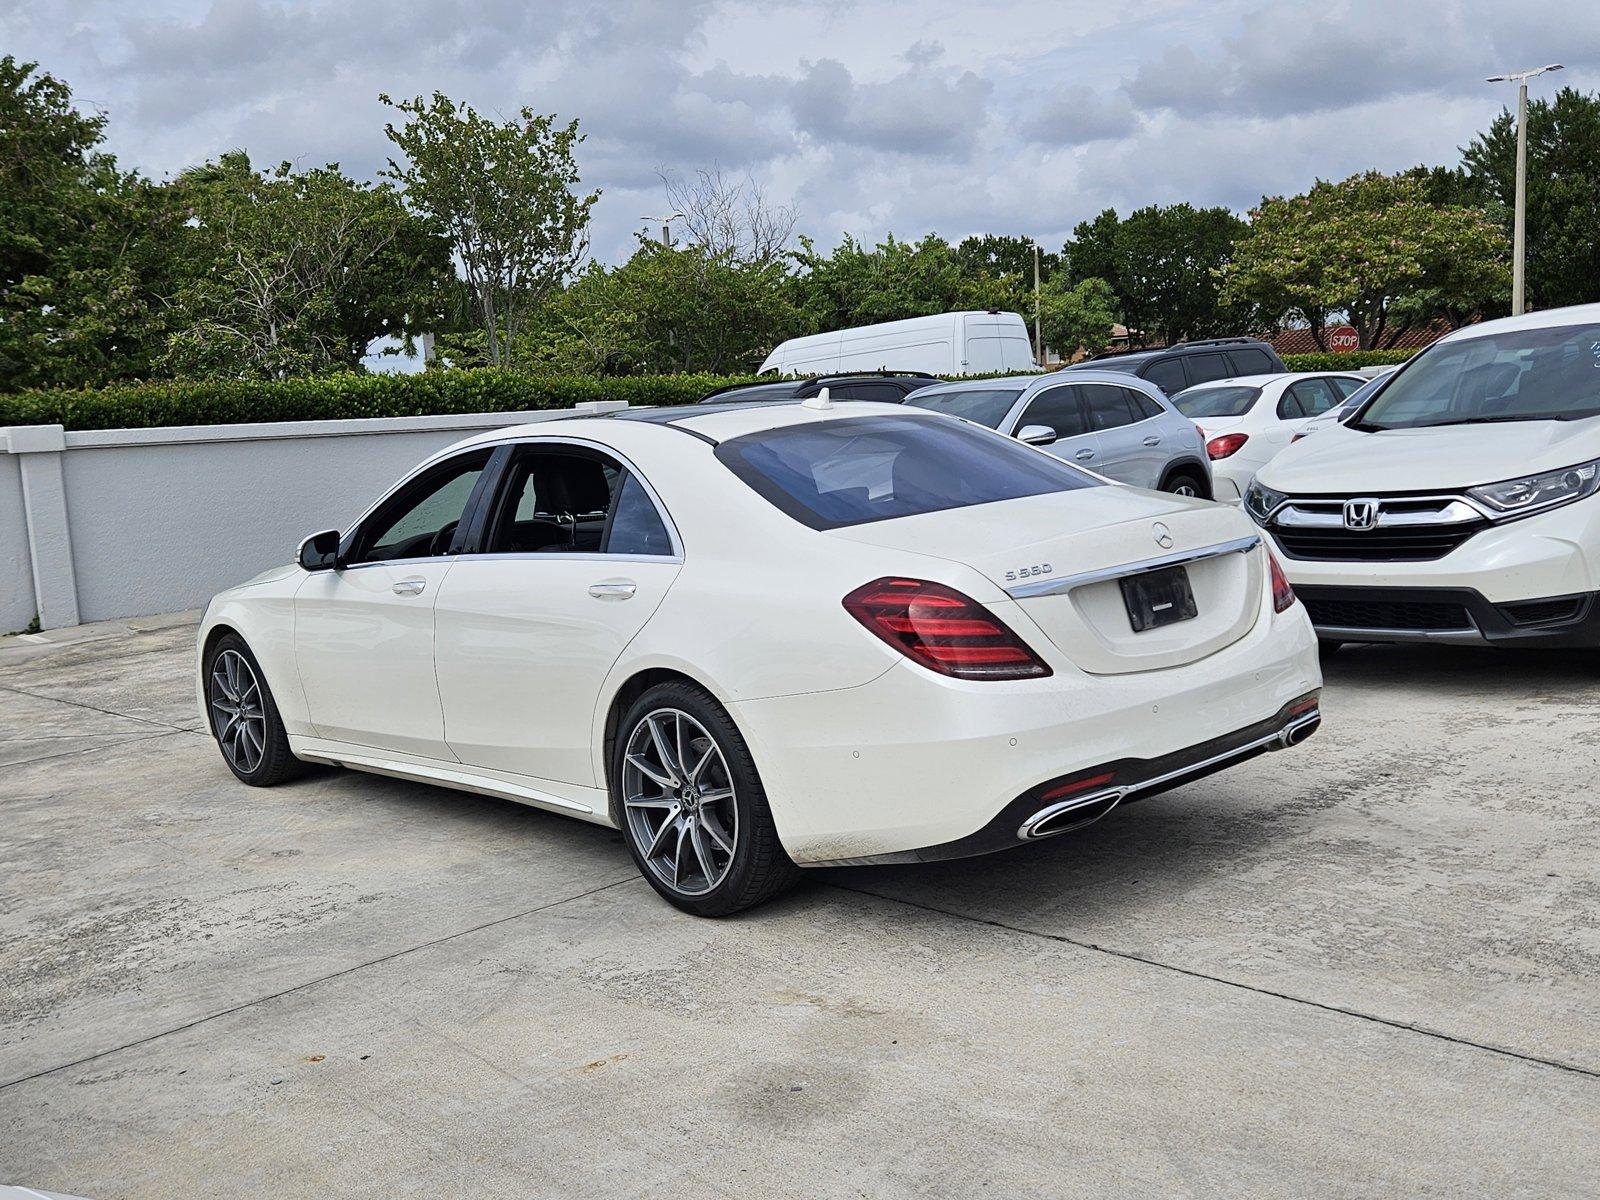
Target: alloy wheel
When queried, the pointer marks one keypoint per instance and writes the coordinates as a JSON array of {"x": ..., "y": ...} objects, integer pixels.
[
  {"x": 1185, "y": 488},
  {"x": 678, "y": 800},
  {"x": 237, "y": 711}
]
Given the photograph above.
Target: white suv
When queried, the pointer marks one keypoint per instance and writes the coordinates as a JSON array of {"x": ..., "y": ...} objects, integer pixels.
[{"x": 1458, "y": 504}]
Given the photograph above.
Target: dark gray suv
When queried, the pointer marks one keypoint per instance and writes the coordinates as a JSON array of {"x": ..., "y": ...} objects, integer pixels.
[{"x": 1173, "y": 368}]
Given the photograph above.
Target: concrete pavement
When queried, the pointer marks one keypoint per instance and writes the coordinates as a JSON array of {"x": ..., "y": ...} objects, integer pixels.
[{"x": 1368, "y": 966}]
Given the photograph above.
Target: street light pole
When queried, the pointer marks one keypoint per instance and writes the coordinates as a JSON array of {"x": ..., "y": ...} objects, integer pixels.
[
  {"x": 1038, "y": 338},
  {"x": 1519, "y": 220},
  {"x": 666, "y": 220}
]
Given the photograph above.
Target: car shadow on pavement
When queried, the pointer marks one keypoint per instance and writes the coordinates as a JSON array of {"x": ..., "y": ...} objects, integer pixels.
[{"x": 1481, "y": 670}]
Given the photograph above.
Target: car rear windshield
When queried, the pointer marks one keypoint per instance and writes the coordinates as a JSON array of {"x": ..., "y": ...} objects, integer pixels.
[
  {"x": 1550, "y": 374},
  {"x": 855, "y": 470},
  {"x": 1200, "y": 402},
  {"x": 985, "y": 406},
  {"x": 759, "y": 391}
]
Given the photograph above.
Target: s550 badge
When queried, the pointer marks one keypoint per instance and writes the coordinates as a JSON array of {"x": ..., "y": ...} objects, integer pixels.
[{"x": 1029, "y": 572}]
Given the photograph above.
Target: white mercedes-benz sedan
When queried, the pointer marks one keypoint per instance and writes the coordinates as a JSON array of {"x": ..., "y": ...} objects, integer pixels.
[{"x": 756, "y": 638}]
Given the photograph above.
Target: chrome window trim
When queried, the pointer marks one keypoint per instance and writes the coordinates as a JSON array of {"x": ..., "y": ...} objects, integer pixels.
[
  {"x": 1065, "y": 583},
  {"x": 528, "y": 440}
]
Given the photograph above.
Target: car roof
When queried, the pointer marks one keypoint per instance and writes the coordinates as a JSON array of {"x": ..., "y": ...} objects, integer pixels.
[
  {"x": 1549, "y": 318},
  {"x": 719, "y": 422}
]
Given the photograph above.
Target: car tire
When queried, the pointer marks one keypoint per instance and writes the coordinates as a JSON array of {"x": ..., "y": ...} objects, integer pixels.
[
  {"x": 691, "y": 805},
  {"x": 244, "y": 717},
  {"x": 1184, "y": 483}
]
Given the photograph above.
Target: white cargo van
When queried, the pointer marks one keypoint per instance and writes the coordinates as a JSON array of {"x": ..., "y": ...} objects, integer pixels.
[{"x": 958, "y": 343}]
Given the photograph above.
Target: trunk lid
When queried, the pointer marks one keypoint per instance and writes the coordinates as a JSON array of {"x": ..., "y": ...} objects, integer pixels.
[{"x": 1062, "y": 557}]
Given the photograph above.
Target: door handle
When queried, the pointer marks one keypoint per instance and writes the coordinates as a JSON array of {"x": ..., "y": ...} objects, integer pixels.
[
  {"x": 613, "y": 589},
  {"x": 409, "y": 587},
  {"x": 1152, "y": 441},
  {"x": 1084, "y": 455}
]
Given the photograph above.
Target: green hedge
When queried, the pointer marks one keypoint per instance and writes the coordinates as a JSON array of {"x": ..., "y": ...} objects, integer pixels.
[
  {"x": 229, "y": 402},
  {"x": 1347, "y": 360}
]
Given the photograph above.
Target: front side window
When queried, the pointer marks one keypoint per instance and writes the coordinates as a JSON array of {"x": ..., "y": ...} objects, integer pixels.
[
  {"x": 985, "y": 406},
  {"x": 851, "y": 471},
  {"x": 420, "y": 520},
  {"x": 1550, "y": 374},
  {"x": 573, "y": 501},
  {"x": 1229, "y": 401},
  {"x": 1059, "y": 409}
]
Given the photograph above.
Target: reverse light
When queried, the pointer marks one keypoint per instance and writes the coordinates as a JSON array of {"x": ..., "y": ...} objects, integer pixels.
[
  {"x": 1225, "y": 444},
  {"x": 1282, "y": 593},
  {"x": 943, "y": 630}
]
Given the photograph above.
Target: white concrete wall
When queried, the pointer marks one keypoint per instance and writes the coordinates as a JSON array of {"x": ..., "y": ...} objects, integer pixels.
[{"x": 127, "y": 522}]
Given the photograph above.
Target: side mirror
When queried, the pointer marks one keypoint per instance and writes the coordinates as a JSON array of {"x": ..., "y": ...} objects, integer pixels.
[
  {"x": 1036, "y": 435},
  {"x": 320, "y": 551}
]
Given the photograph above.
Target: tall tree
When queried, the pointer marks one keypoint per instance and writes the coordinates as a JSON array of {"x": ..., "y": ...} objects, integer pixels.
[
  {"x": 505, "y": 193},
  {"x": 858, "y": 284},
  {"x": 1162, "y": 264},
  {"x": 731, "y": 219},
  {"x": 84, "y": 246},
  {"x": 1372, "y": 248},
  {"x": 295, "y": 273},
  {"x": 1077, "y": 316},
  {"x": 1563, "y": 264}
]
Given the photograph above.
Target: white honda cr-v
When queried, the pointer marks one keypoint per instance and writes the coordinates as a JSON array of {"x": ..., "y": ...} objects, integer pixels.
[{"x": 1458, "y": 504}]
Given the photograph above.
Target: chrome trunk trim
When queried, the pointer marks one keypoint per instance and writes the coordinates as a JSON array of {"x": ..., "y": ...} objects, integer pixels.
[{"x": 1065, "y": 583}]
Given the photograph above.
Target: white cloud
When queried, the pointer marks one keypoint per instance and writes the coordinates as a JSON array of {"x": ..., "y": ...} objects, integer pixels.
[{"x": 1021, "y": 116}]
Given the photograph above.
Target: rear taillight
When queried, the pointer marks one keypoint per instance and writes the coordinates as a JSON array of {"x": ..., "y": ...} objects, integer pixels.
[
  {"x": 943, "y": 630},
  {"x": 1225, "y": 444},
  {"x": 1282, "y": 593}
]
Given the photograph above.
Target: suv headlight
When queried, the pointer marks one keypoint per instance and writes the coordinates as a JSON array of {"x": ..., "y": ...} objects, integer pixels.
[
  {"x": 1259, "y": 500},
  {"x": 1540, "y": 491}
]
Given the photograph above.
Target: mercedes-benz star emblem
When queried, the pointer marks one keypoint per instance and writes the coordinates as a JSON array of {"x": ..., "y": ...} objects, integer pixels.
[{"x": 1163, "y": 535}]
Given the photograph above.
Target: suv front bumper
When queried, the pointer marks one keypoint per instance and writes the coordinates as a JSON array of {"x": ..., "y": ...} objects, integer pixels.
[{"x": 1452, "y": 615}]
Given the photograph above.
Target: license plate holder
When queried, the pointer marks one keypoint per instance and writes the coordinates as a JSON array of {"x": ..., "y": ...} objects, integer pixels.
[{"x": 1158, "y": 598}]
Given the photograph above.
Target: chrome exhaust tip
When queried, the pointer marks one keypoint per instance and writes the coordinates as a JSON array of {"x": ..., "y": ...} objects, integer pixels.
[
  {"x": 1299, "y": 730},
  {"x": 1070, "y": 814}
]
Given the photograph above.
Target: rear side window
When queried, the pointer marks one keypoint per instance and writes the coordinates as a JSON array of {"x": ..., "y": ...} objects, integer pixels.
[
  {"x": 837, "y": 473},
  {"x": 1252, "y": 361},
  {"x": 1345, "y": 386},
  {"x": 1108, "y": 406},
  {"x": 1143, "y": 405},
  {"x": 1167, "y": 375},
  {"x": 1203, "y": 368},
  {"x": 1308, "y": 398}
]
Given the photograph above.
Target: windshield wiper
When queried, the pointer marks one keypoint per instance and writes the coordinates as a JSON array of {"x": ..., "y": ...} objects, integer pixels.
[{"x": 1491, "y": 420}]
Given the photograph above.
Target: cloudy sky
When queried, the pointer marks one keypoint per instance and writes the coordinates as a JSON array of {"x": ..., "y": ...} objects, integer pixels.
[{"x": 868, "y": 115}]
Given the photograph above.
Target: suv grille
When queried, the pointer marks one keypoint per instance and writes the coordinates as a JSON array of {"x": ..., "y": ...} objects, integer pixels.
[
  {"x": 1407, "y": 543},
  {"x": 1386, "y": 614}
]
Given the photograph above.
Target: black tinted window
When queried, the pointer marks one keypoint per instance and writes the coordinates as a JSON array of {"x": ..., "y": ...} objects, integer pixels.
[
  {"x": 420, "y": 520},
  {"x": 636, "y": 525},
  {"x": 1167, "y": 375},
  {"x": 1203, "y": 368},
  {"x": 1057, "y": 408},
  {"x": 851, "y": 471},
  {"x": 1252, "y": 361},
  {"x": 1108, "y": 406},
  {"x": 1143, "y": 405},
  {"x": 887, "y": 393}
]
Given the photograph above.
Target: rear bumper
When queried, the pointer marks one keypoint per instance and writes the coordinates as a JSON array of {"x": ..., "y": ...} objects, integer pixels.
[
  {"x": 1038, "y": 814},
  {"x": 913, "y": 760},
  {"x": 1451, "y": 615}
]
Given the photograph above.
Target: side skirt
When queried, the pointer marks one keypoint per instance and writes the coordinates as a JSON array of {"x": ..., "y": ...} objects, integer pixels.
[{"x": 574, "y": 800}]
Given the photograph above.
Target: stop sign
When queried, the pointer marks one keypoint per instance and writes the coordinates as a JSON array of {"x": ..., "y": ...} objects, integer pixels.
[{"x": 1342, "y": 337}]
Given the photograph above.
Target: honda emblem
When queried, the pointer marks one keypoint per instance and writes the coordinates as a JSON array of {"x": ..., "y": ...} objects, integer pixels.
[{"x": 1360, "y": 514}]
